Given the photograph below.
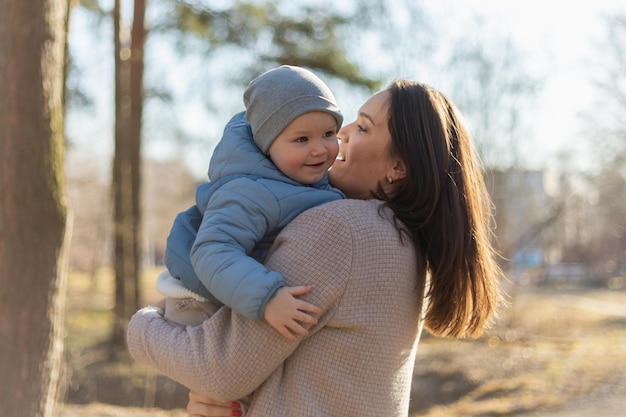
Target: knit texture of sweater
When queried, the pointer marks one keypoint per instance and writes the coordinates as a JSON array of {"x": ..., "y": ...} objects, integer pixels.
[{"x": 357, "y": 361}]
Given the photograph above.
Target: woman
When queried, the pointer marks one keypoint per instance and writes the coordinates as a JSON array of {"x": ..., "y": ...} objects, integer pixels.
[{"x": 417, "y": 207}]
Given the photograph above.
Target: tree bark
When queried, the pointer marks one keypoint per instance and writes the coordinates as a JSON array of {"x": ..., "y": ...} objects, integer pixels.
[
  {"x": 122, "y": 229},
  {"x": 138, "y": 38},
  {"x": 33, "y": 206},
  {"x": 129, "y": 68}
]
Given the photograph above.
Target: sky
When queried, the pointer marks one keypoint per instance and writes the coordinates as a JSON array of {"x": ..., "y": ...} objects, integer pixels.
[
  {"x": 560, "y": 39},
  {"x": 557, "y": 38}
]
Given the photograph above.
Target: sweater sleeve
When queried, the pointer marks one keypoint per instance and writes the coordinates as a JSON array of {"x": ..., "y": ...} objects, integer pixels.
[
  {"x": 229, "y": 356},
  {"x": 237, "y": 217}
]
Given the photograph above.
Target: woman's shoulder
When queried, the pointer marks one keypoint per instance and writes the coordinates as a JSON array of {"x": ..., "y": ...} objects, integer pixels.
[
  {"x": 352, "y": 207},
  {"x": 351, "y": 204},
  {"x": 353, "y": 214}
]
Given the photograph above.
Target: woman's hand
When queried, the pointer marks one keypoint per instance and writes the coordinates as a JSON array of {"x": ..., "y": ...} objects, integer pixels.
[{"x": 200, "y": 406}]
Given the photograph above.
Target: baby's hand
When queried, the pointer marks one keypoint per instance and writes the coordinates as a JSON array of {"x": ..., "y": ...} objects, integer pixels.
[{"x": 286, "y": 313}]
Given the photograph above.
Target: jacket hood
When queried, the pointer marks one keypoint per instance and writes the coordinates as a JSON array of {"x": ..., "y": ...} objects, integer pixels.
[{"x": 237, "y": 154}]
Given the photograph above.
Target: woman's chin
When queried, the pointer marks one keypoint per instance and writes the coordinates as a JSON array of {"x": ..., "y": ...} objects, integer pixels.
[{"x": 333, "y": 172}]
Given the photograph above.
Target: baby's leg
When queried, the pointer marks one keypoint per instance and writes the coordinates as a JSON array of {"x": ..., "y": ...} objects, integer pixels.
[
  {"x": 183, "y": 306},
  {"x": 182, "y": 309},
  {"x": 188, "y": 311}
]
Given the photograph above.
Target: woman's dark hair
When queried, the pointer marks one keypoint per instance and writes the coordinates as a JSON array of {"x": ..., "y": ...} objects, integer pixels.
[{"x": 444, "y": 205}]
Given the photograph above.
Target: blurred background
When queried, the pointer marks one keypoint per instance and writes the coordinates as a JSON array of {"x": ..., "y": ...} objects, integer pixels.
[
  {"x": 150, "y": 86},
  {"x": 541, "y": 84}
]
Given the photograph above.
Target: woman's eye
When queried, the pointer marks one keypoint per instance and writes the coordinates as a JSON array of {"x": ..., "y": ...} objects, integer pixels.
[{"x": 361, "y": 128}]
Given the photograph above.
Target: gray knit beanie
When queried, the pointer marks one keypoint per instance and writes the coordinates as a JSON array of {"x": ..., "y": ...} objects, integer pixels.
[{"x": 277, "y": 97}]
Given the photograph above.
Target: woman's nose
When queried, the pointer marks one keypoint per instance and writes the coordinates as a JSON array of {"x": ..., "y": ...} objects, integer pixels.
[{"x": 343, "y": 135}]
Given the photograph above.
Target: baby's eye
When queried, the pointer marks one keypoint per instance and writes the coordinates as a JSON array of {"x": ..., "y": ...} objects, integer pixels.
[
  {"x": 302, "y": 139},
  {"x": 329, "y": 134}
]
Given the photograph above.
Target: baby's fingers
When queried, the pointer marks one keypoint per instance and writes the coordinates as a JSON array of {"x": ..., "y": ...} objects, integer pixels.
[
  {"x": 284, "y": 331},
  {"x": 299, "y": 290},
  {"x": 307, "y": 307},
  {"x": 296, "y": 328},
  {"x": 302, "y": 317}
]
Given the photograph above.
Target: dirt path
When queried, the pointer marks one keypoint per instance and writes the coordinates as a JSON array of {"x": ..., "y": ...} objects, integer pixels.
[
  {"x": 608, "y": 401},
  {"x": 107, "y": 410},
  {"x": 607, "y": 308},
  {"x": 553, "y": 344}
]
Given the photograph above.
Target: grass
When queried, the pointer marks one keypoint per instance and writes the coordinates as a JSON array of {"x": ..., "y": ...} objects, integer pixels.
[
  {"x": 96, "y": 372},
  {"x": 549, "y": 350},
  {"x": 546, "y": 351}
]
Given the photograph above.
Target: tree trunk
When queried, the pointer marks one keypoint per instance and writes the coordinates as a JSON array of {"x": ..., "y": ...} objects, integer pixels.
[
  {"x": 127, "y": 168},
  {"x": 138, "y": 37},
  {"x": 122, "y": 229},
  {"x": 33, "y": 210}
]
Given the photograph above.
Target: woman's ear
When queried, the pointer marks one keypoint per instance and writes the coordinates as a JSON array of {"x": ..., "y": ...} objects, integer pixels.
[{"x": 398, "y": 171}]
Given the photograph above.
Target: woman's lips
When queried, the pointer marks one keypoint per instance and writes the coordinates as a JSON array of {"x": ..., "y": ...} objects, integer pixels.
[{"x": 340, "y": 157}]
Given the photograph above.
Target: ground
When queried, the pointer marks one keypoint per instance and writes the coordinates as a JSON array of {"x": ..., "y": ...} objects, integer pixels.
[{"x": 553, "y": 351}]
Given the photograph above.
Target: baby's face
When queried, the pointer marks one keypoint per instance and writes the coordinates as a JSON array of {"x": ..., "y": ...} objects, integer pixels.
[{"x": 307, "y": 148}]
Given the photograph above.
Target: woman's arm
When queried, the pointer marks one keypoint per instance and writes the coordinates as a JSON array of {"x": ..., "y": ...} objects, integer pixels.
[
  {"x": 212, "y": 359},
  {"x": 229, "y": 356}
]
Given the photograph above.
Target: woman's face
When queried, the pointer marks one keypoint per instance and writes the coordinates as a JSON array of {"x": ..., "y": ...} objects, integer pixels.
[{"x": 363, "y": 161}]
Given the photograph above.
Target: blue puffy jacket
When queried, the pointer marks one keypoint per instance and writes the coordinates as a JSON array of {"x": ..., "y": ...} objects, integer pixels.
[{"x": 237, "y": 216}]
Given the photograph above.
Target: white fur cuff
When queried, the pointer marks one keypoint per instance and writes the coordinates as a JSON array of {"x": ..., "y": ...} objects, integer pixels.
[{"x": 169, "y": 286}]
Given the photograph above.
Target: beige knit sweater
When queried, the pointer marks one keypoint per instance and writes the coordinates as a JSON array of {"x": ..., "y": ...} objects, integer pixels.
[{"x": 357, "y": 361}]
